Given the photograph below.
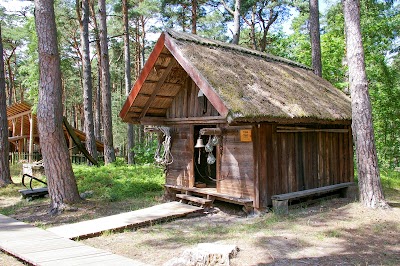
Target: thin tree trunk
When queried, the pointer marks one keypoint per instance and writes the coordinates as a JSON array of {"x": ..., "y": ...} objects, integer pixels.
[
  {"x": 315, "y": 38},
  {"x": 130, "y": 141},
  {"x": 371, "y": 194},
  {"x": 236, "y": 23},
  {"x": 57, "y": 164},
  {"x": 98, "y": 121},
  {"x": 194, "y": 16},
  {"x": 109, "y": 153},
  {"x": 236, "y": 19},
  {"x": 11, "y": 85},
  {"x": 5, "y": 178},
  {"x": 266, "y": 26},
  {"x": 87, "y": 79}
]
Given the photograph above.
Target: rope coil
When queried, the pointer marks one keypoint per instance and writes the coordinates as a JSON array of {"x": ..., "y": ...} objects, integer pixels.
[{"x": 163, "y": 154}]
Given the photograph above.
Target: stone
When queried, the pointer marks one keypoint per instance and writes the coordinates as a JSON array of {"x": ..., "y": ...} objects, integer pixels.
[{"x": 205, "y": 254}]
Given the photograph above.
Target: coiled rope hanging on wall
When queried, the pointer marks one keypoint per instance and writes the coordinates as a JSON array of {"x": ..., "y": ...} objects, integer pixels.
[{"x": 163, "y": 154}]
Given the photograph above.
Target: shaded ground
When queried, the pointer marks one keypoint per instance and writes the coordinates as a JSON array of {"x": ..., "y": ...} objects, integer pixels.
[
  {"x": 335, "y": 232},
  {"x": 332, "y": 232}
]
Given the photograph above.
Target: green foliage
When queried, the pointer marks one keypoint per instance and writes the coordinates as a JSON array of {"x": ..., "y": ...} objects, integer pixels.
[
  {"x": 144, "y": 153},
  {"x": 115, "y": 183},
  {"x": 390, "y": 179}
]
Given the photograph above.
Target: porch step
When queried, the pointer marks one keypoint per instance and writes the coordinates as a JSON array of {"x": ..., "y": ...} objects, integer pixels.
[{"x": 204, "y": 202}]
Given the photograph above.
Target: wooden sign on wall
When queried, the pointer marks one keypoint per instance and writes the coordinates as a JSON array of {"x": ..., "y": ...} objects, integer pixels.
[{"x": 245, "y": 135}]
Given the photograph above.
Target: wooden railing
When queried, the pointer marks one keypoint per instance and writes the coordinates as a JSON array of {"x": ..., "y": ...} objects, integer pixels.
[
  {"x": 17, "y": 157},
  {"x": 23, "y": 157}
]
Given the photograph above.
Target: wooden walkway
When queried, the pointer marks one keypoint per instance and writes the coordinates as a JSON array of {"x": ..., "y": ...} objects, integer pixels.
[
  {"x": 40, "y": 247},
  {"x": 124, "y": 220}
]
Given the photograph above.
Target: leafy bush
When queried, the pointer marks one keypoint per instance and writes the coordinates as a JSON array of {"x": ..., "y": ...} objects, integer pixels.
[{"x": 144, "y": 153}]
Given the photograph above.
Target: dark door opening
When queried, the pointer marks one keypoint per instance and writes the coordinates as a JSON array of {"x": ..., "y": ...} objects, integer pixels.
[{"x": 205, "y": 174}]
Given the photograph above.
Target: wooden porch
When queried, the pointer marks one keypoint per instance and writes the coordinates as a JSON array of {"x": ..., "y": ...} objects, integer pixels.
[{"x": 211, "y": 193}]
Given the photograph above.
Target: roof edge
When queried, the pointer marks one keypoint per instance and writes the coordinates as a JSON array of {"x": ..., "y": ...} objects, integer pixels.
[
  {"x": 196, "y": 76},
  {"x": 215, "y": 43},
  {"x": 148, "y": 66}
]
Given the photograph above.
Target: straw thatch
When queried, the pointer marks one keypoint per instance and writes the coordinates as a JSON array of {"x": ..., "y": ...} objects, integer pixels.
[{"x": 257, "y": 86}]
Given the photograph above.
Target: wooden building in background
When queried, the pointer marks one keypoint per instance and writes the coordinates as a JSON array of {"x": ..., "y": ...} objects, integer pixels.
[
  {"x": 280, "y": 127},
  {"x": 24, "y": 135}
]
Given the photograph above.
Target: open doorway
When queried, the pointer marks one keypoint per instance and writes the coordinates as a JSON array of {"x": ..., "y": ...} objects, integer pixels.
[{"x": 205, "y": 174}]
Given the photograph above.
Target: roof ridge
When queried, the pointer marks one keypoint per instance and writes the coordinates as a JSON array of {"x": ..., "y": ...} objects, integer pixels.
[{"x": 180, "y": 36}]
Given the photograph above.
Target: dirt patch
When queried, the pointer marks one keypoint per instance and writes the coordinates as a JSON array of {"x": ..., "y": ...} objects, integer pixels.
[
  {"x": 333, "y": 232},
  {"x": 8, "y": 260}
]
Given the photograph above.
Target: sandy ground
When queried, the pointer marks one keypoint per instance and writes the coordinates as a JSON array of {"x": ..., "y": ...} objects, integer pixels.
[{"x": 332, "y": 232}]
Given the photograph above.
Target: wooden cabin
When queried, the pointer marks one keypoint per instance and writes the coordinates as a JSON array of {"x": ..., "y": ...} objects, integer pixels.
[{"x": 279, "y": 127}]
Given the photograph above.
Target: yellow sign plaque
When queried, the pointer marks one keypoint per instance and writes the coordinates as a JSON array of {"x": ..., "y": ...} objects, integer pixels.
[{"x": 245, "y": 135}]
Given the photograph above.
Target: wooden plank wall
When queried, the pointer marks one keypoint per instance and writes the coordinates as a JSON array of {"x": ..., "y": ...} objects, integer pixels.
[
  {"x": 237, "y": 167},
  {"x": 180, "y": 172},
  {"x": 294, "y": 161},
  {"x": 188, "y": 104}
]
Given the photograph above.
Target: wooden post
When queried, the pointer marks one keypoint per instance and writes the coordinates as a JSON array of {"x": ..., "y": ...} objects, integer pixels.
[
  {"x": 14, "y": 122},
  {"x": 21, "y": 141},
  {"x": 71, "y": 144},
  {"x": 30, "y": 137}
]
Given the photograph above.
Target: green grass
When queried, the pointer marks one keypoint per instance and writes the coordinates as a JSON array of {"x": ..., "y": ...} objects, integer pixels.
[
  {"x": 136, "y": 186},
  {"x": 116, "y": 183},
  {"x": 390, "y": 180}
]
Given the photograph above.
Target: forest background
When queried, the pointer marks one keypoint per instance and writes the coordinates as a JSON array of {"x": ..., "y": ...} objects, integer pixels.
[{"x": 276, "y": 27}]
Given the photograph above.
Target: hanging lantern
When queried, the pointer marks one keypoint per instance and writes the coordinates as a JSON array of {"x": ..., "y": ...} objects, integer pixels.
[
  {"x": 210, "y": 158},
  {"x": 215, "y": 140},
  {"x": 209, "y": 147}
]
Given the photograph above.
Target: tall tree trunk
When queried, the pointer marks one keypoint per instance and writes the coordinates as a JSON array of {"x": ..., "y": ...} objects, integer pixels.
[
  {"x": 57, "y": 165},
  {"x": 130, "y": 141},
  {"x": 194, "y": 16},
  {"x": 11, "y": 85},
  {"x": 236, "y": 19},
  {"x": 109, "y": 153},
  {"x": 371, "y": 194},
  {"x": 236, "y": 23},
  {"x": 315, "y": 38},
  {"x": 5, "y": 178},
  {"x": 98, "y": 121},
  {"x": 87, "y": 78}
]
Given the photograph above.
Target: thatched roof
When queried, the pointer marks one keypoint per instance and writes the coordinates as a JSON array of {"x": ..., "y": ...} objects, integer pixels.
[{"x": 247, "y": 85}]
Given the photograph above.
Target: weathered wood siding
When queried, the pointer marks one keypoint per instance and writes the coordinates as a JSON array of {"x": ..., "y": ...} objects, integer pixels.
[
  {"x": 237, "y": 167},
  {"x": 180, "y": 172},
  {"x": 187, "y": 103},
  {"x": 294, "y": 161}
]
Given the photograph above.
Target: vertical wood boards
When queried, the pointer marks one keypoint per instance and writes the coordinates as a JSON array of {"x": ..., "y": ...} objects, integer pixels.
[
  {"x": 187, "y": 103},
  {"x": 295, "y": 161},
  {"x": 180, "y": 172},
  {"x": 237, "y": 166}
]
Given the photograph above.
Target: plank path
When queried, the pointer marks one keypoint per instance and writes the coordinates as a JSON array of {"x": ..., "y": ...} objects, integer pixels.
[
  {"x": 124, "y": 220},
  {"x": 53, "y": 247},
  {"x": 40, "y": 247}
]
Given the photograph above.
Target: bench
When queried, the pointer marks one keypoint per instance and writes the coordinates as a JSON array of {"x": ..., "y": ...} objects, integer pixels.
[
  {"x": 34, "y": 193},
  {"x": 280, "y": 202}
]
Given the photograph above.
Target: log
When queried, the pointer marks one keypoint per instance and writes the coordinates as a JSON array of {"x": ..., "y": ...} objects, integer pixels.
[{"x": 211, "y": 131}]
